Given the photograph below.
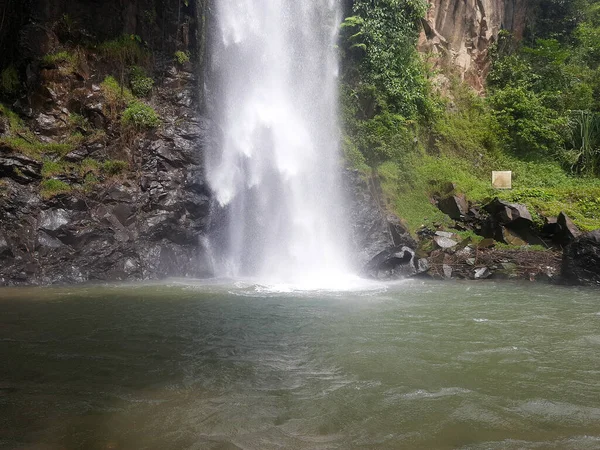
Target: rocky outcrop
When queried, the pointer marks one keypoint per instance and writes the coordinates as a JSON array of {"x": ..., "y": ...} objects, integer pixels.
[
  {"x": 460, "y": 32},
  {"x": 381, "y": 246},
  {"x": 143, "y": 225},
  {"x": 581, "y": 260},
  {"x": 128, "y": 203}
]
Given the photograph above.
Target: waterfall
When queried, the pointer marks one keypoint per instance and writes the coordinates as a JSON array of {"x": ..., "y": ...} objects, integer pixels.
[{"x": 276, "y": 176}]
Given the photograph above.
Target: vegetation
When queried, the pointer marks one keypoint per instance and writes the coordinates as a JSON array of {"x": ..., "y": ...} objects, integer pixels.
[
  {"x": 9, "y": 81},
  {"x": 126, "y": 50},
  {"x": 141, "y": 83},
  {"x": 182, "y": 57},
  {"x": 540, "y": 117},
  {"x": 52, "y": 187},
  {"x": 140, "y": 116}
]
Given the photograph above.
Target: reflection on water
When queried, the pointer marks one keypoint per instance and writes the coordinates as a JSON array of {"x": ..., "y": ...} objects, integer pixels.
[{"x": 239, "y": 366}]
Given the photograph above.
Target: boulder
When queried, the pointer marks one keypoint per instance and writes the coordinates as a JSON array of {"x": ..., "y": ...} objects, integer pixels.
[
  {"x": 394, "y": 263},
  {"x": 456, "y": 206},
  {"x": 19, "y": 167},
  {"x": 508, "y": 213},
  {"x": 567, "y": 230},
  {"x": 581, "y": 260}
]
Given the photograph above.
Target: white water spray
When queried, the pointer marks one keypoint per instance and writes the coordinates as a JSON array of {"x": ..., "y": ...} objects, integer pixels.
[{"x": 274, "y": 76}]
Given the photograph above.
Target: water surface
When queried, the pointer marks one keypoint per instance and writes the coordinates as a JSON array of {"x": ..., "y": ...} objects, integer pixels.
[{"x": 223, "y": 366}]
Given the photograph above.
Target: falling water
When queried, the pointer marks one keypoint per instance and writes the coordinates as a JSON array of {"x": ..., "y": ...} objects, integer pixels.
[{"x": 274, "y": 73}]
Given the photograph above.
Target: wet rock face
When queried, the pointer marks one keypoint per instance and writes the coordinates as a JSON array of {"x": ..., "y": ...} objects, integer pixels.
[
  {"x": 382, "y": 248},
  {"x": 581, "y": 260},
  {"x": 146, "y": 225}
]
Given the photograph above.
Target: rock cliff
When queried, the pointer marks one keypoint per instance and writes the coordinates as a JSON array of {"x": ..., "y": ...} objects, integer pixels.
[
  {"x": 459, "y": 33},
  {"x": 82, "y": 196}
]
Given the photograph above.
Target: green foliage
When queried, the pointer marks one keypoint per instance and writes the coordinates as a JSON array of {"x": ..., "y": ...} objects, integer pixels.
[
  {"x": 141, "y": 83},
  {"x": 182, "y": 57},
  {"x": 52, "y": 168},
  {"x": 382, "y": 38},
  {"x": 126, "y": 50},
  {"x": 33, "y": 148},
  {"x": 115, "y": 167},
  {"x": 52, "y": 187},
  {"x": 89, "y": 165},
  {"x": 9, "y": 81},
  {"x": 117, "y": 96},
  {"x": 385, "y": 93},
  {"x": 538, "y": 119},
  {"x": 140, "y": 116},
  {"x": 533, "y": 127},
  {"x": 585, "y": 128}
]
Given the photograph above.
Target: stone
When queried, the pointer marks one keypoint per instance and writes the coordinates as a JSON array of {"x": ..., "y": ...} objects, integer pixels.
[
  {"x": 444, "y": 242},
  {"x": 447, "y": 269},
  {"x": 53, "y": 219},
  {"x": 581, "y": 260},
  {"x": 512, "y": 238},
  {"x": 508, "y": 213},
  {"x": 483, "y": 273},
  {"x": 19, "y": 167},
  {"x": 394, "y": 263},
  {"x": 456, "y": 206},
  {"x": 568, "y": 231}
]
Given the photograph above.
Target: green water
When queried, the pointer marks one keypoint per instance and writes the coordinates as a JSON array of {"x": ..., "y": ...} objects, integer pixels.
[{"x": 405, "y": 366}]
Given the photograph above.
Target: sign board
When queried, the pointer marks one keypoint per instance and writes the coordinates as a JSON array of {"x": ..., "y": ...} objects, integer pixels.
[{"x": 502, "y": 180}]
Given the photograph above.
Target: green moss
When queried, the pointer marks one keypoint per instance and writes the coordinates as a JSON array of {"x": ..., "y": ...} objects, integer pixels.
[
  {"x": 182, "y": 57},
  {"x": 78, "y": 121},
  {"x": 140, "y": 116},
  {"x": 9, "y": 80},
  {"x": 52, "y": 187},
  {"x": 33, "y": 148}
]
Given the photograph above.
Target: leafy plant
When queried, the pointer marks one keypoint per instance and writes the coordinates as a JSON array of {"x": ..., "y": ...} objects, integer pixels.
[
  {"x": 141, "y": 84},
  {"x": 140, "y": 116},
  {"x": 182, "y": 57},
  {"x": 585, "y": 129}
]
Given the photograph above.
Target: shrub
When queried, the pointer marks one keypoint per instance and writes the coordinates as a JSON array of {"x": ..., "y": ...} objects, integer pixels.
[
  {"x": 141, "y": 84},
  {"x": 182, "y": 57},
  {"x": 117, "y": 97},
  {"x": 140, "y": 116},
  {"x": 116, "y": 167},
  {"x": 9, "y": 80}
]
